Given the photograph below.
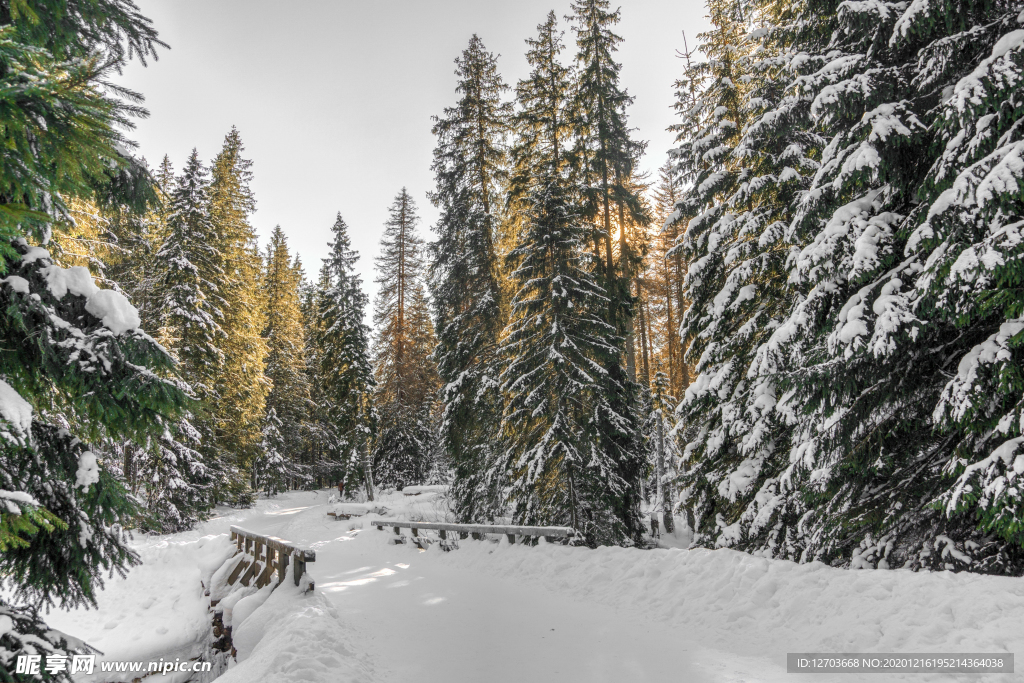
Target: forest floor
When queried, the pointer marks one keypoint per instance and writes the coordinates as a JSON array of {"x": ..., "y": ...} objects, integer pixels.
[{"x": 491, "y": 612}]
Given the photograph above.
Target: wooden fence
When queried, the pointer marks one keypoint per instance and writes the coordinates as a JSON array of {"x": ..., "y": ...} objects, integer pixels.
[
  {"x": 477, "y": 531},
  {"x": 266, "y": 555}
]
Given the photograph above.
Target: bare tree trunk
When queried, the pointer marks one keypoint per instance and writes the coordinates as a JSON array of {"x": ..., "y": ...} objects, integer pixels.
[
  {"x": 664, "y": 490},
  {"x": 645, "y": 340},
  {"x": 368, "y": 476}
]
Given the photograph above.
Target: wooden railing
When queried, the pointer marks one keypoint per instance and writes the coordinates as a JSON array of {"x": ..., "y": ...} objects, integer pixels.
[
  {"x": 477, "y": 531},
  {"x": 266, "y": 555}
]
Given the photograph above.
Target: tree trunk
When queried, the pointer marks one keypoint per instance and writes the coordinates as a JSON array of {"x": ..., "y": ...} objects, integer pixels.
[
  {"x": 644, "y": 341},
  {"x": 664, "y": 490},
  {"x": 368, "y": 476}
]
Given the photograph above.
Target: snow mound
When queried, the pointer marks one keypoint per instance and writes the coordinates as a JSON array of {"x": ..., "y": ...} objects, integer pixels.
[
  {"x": 754, "y": 606},
  {"x": 294, "y": 637},
  {"x": 417, "y": 490},
  {"x": 355, "y": 508},
  {"x": 114, "y": 309},
  {"x": 158, "y": 610}
]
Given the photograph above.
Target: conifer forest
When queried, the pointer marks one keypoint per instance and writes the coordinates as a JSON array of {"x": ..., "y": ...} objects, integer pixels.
[{"x": 802, "y": 338}]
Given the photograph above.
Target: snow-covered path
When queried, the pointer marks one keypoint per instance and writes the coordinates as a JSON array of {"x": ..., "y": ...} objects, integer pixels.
[
  {"x": 490, "y": 612},
  {"x": 425, "y": 619}
]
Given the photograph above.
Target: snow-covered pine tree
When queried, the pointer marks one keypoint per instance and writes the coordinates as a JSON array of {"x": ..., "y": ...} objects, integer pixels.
[
  {"x": 856, "y": 371},
  {"x": 861, "y": 363},
  {"x": 166, "y": 473},
  {"x": 70, "y": 348},
  {"x": 344, "y": 368},
  {"x": 270, "y": 469},
  {"x": 405, "y": 375},
  {"x": 559, "y": 470},
  {"x": 970, "y": 241},
  {"x": 760, "y": 158},
  {"x": 192, "y": 303},
  {"x": 240, "y": 383},
  {"x": 191, "y": 310},
  {"x": 320, "y": 434},
  {"x": 604, "y": 158},
  {"x": 557, "y": 466},
  {"x": 285, "y": 336},
  {"x": 469, "y": 166}
]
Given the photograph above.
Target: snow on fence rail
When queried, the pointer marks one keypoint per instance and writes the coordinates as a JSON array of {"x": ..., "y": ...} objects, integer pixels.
[
  {"x": 477, "y": 530},
  {"x": 273, "y": 552}
]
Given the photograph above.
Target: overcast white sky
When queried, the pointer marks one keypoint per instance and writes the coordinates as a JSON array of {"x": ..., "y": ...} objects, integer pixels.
[{"x": 333, "y": 99}]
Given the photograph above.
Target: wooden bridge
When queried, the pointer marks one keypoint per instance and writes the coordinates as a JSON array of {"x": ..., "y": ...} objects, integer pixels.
[{"x": 266, "y": 555}]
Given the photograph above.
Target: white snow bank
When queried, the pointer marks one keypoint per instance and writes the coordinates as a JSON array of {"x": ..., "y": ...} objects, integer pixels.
[
  {"x": 357, "y": 508},
  {"x": 417, "y": 490},
  {"x": 159, "y": 610},
  {"x": 751, "y": 606},
  {"x": 294, "y": 636}
]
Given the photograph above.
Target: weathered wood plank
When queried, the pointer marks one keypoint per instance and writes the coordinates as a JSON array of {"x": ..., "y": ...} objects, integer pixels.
[
  {"x": 268, "y": 571},
  {"x": 249, "y": 573},
  {"x": 475, "y": 529},
  {"x": 239, "y": 568}
]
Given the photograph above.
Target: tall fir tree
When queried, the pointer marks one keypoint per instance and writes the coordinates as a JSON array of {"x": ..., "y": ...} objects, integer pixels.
[
  {"x": 405, "y": 375},
  {"x": 192, "y": 306},
  {"x": 241, "y": 385},
  {"x": 344, "y": 362},
  {"x": 285, "y": 336},
  {"x": 469, "y": 167},
  {"x": 750, "y": 157},
  {"x": 604, "y": 157},
  {"x": 71, "y": 349},
  {"x": 558, "y": 467},
  {"x": 320, "y": 434}
]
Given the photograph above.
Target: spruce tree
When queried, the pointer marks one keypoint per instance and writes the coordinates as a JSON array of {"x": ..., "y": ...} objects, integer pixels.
[
  {"x": 405, "y": 376},
  {"x": 469, "y": 165},
  {"x": 344, "y": 362},
  {"x": 866, "y": 451},
  {"x": 241, "y": 385},
  {"x": 320, "y": 433},
  {"x": 971, "y": 234},
  {"x": 270, "y": 469},
  {"x": 604, "y": 157},
  {"x": 558, "y": 468},
  {"x": 285, "y": 335},
  {"x": 192, "y": 306},
  {"x": 71, "y": 349},
  {"x": 749, "y": 160}
]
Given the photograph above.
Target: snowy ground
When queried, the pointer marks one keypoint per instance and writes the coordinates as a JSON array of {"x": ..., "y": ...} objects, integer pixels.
[{"x": 493, "y": 612}]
